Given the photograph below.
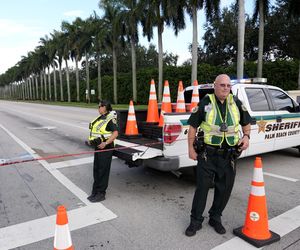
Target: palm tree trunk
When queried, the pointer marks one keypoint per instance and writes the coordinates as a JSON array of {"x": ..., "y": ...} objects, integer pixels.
[
  {"x": 133, "y": 62},
  {"x": 194, "y": 46},
  {"x": 77, "y": 78},
  {"x": 87, "y": 70},
  {"x": 30, "y": 88},
  {"x": 115, "y": 75},
  {"x": 37, "y": 87},
  {"x": 54, "y": 82},
  {"x": 160, "y": 30},
  {"x": 68, "y": 81},
  {"x": 49, "y": 82},
  {"x": 23, "y": 90},
  {"x": 260, "y": 39},
  {"x": 45, "y": 84},
  {"x": 26, "y": 89},
  {"x": 241, "y": 38},
  {"x": 99, "y": 78},
  {"x": 42, "y": 85},
  {"x": 60, "y": 83}
]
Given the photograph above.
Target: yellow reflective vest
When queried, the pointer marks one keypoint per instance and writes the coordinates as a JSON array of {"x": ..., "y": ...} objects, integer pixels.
[
  {"x": 213, "y": 119},
  {"x": 98, "y": 127}
]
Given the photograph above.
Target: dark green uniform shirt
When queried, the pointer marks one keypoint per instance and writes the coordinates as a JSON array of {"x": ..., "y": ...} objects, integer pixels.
[{"x": 199, "y": 113}]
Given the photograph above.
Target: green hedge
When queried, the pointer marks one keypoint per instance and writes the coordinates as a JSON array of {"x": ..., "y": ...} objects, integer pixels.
[{"x": 283, "y": 74}]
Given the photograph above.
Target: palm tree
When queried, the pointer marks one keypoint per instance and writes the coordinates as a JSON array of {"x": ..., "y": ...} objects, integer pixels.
[
  {"x": 86, "y": 44},
  {"x": 73, "y": 34},
  {"x": 153, "y": 17},
  {"x": 98, "y": 40},
  {"x": 66, "y": 51},
  {"x": 58, "y": 42},
  {"x": 157, "y": 13},
  {"x": 211, "y": 10},
  {"x": 130, "y": 17},
  {"x": 114, "y": 39},
  {"x": 261, "y": 9},
  {"x": 241, "y": 39},
  {"x": 50, "y": 55}
]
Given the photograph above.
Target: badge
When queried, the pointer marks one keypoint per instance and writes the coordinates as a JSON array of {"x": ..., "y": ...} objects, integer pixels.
[
  {"x": 114, "y": 120},
  {"x": 208, "y": 108},
  {"x": 195, "y": 109},
  {"x": 223, "y": 127}
]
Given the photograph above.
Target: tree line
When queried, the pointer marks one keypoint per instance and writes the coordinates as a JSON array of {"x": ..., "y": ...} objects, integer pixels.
[{"x": 108, "y": 45}]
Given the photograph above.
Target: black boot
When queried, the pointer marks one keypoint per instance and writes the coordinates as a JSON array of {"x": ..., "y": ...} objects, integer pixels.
[
  {"x": 193, "y": 228},
  {"x": 98, "y": 197},
  {"x": 92, "y": 195},
  {"x": 217, "y": 226}
]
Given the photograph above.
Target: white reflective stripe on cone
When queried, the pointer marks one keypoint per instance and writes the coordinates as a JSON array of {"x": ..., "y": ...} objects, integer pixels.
[
  {"x": 180, "y": 105},
  {"x": 258, "y": 175},
  {"x": 62, "y": 239},
  {"x": 166, "y": 99},
  {"x": 131, "y": 118},
  {"x": 152, "y": 97},
  {"x": 131, "y": 109},
  {"x": 258, "y": 191}
]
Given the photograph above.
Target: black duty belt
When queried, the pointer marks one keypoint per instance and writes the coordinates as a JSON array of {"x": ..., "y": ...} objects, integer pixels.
[{"x": 218, "y": 150}]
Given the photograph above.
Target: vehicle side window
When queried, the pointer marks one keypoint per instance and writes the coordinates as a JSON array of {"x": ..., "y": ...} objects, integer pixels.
[
  {"x": 257, "y": 99},
  {"x": 281, "y": 100}
]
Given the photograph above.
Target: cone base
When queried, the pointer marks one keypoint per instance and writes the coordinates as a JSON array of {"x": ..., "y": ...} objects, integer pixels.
[{"x": 257, "y": 243}]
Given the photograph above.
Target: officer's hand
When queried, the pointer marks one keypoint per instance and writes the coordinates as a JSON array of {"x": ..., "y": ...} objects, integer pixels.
[
  {"x": 192, "y": 154},
  {"x": 101, "y": 145},
  {"x": 244, "y": 143}
]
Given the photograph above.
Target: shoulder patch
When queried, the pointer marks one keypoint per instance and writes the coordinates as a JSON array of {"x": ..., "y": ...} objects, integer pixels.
[
  {"x": 244, "y": 108},
  {"x": 195, "y": 109},
  {"x": 208, "y": 108},
  {"x": 114, "y": 120}
]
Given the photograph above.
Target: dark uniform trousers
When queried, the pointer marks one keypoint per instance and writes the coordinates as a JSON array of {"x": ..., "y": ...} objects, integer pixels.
[
  {"x": 102, "y": 162},
  {"x": 217, "y": 166}
]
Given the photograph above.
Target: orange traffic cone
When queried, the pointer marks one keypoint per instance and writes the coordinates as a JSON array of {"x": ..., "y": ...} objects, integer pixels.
[
  {"x": 131, "y": 125},
  {"x": 166, "y": 106},
  {"x": 62, "y": 237},
  {"x": 195, "y": 96},
  {"x": 256, "y": 229},
  {"x": 152, "y": 114},
  {"x": 180, "y": 106}
]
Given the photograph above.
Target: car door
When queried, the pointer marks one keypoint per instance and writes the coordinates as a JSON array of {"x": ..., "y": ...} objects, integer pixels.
[
  {"x": 261, "y": 110},
  {"x": 287, "y": 127}
]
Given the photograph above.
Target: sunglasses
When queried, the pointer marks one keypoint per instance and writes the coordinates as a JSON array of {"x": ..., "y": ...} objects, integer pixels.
[{"x": 223, "y": 85}]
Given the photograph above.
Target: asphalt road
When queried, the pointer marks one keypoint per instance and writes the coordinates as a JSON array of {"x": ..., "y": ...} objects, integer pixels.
[{"x": 144, "y": 208}]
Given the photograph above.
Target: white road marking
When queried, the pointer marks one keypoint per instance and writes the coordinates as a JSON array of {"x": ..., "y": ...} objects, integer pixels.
[
  {"x": 40, "y": 128},
  {"x": 282, "y": 225},
  {"x": 71, "y": 163},
  {"x": 9, "y": 234},
  {"x": 44, "y": 228},
  {"x": 281, "y": 177}
]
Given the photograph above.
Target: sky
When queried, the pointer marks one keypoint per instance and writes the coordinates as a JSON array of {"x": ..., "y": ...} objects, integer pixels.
[{"x": 23, "y": 23}]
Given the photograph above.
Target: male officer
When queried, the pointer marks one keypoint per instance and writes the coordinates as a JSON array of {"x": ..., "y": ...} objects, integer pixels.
[
  {"x": 218, "y": 116},
  {"x": 103, "y": 132}
]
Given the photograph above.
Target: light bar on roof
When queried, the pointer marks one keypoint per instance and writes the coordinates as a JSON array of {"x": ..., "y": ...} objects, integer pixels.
[{"x": 250, "y": 80}]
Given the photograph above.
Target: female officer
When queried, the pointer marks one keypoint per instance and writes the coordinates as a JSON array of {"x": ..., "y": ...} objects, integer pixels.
[{"x": 103, "y": 132}]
